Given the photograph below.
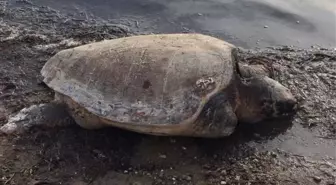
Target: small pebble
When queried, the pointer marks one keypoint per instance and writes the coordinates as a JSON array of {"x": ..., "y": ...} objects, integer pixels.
[
  {"x": 256, "y": 134},
  {"x": 317, "y": 179},
  {"x": 297, "y": 22},
  {"x": 125, "y": 171},
  {"x": 222, "y": 182},
  {"x": 199, "y": 14},
  {"x": 274, "y": 154},
  {"x": 163, "y": 156},
  {"x": 172, "y": 140},
  {"x": 174, "y": 179},
  {"x": 265, "y": 26}
]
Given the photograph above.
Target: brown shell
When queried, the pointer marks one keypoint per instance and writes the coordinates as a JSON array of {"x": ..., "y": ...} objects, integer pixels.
[{"x": 148, "y": 79}]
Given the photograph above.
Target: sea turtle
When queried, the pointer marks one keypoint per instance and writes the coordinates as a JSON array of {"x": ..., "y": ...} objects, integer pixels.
[{"x": 164, "y": 84}]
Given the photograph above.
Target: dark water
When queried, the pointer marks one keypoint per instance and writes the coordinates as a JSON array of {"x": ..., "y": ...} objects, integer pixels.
[{"x": 246, "y": 23}]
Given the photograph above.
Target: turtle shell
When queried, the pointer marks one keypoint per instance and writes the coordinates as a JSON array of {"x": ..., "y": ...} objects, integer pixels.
[{"x": 146, "y": 79}]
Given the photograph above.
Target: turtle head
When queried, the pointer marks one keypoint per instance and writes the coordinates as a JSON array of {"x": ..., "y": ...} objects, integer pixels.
[{"x": 261, "y": 97}]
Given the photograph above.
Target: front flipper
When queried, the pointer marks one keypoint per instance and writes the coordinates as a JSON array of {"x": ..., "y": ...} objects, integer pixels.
[
  {"x": 51, "y": 114},
  {"x": 217, "y": 119}
]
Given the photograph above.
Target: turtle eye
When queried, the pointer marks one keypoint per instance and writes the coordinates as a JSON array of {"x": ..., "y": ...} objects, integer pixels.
[
  {"x": 265, "y": 102},
  {"x": 267, "y": 107}
]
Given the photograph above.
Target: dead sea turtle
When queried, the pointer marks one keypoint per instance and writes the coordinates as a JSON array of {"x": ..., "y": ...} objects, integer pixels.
[{"x": 164, "y": 84}]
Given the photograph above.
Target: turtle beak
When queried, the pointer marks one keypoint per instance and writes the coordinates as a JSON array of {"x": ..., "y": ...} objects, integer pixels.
[
  {"x": 286, "y": 107},
  {"x": 286, "y": 103}
]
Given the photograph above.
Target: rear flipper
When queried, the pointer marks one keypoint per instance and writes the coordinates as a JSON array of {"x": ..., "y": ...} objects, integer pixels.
[
  {"x": 50, "y": 115},
  {"x": 82, "y": 117}
]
